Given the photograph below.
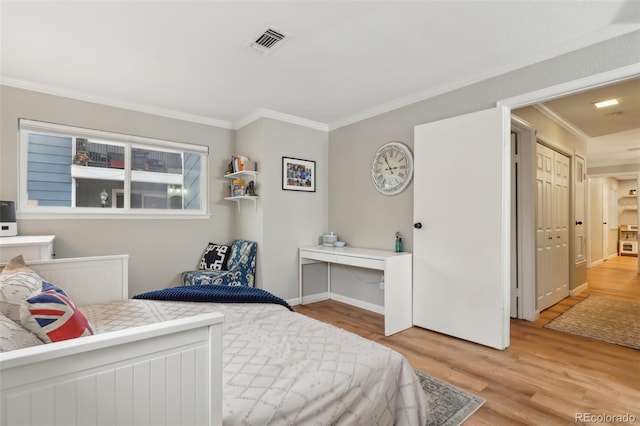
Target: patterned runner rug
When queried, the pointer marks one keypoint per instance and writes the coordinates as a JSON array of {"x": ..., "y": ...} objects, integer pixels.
[
  {"x": 609, "y": 320},
  {"x": 448, "y": 405}
]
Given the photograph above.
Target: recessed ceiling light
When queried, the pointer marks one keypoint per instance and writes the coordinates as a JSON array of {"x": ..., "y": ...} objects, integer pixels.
[{"x": 608, "y": 102}]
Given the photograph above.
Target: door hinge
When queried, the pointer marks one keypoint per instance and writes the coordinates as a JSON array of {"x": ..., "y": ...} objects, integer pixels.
[{"x": 516, "y": 158}]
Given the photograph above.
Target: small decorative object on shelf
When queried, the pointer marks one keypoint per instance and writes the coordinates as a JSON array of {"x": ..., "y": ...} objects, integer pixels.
[
  {"x": 399, "y": 246},
  {"x": 239, "y": 189},
  {"x": 241, "y": 163},
  {"x": 251, "y": 189}
]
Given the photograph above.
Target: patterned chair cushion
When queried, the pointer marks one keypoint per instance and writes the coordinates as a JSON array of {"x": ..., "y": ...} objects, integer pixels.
[
  {"x": 241, "y": 268},
  {"x": 52, "y": 316},
  {"x": 17, "y": 282}
]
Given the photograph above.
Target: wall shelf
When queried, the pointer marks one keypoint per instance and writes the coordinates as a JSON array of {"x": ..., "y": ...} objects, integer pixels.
[
  {"x": 251, "y": 173},
  {"x": 237, "y": 200},
  {"x": 247, "y": 174}
]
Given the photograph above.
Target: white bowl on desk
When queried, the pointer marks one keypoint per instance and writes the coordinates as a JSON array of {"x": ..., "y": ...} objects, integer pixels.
[{"x": 339, "y": 244}]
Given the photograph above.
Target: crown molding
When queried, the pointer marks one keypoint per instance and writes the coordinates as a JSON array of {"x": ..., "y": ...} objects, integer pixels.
[
  {"x": 56, "y": 91},
  {"x": 562, "y": 122},
  {"x": 280, "y": 116}
]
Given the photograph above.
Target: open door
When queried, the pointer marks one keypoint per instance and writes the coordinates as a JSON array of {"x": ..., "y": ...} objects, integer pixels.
[{"x": 462, "y": 214}]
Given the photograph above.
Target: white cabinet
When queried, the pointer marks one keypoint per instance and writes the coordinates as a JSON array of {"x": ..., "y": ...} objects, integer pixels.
[
  {"x": 628, "y": 240},
  {"x": 31, "y": 247}
]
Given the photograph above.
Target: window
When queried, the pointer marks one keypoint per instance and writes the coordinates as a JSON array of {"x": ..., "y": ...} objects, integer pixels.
[{"x": 71, "y": 170}]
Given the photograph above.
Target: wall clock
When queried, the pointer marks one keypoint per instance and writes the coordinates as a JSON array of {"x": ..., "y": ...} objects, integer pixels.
[{"x": 392, "y": 168}]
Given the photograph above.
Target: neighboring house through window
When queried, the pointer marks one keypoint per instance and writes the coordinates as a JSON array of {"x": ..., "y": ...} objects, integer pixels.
[{"x": 70, "y": 170}]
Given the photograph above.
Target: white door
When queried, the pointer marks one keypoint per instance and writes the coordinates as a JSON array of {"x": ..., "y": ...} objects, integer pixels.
[
  {"x": 561, "y": 228},
  {"x": 552, "y": 227},
  {"x": 514, "y": 286},
  {"x": 461, "y": 251},
  {"x": 595, "y": 223},
  {"x": 544, "y": 225},
  {"x": 580, "y": 249},
  {"x": 605, "y": 219}
]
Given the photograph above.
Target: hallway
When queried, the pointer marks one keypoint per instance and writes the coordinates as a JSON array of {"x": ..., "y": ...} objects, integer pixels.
[{"x": 616, "y": 278}]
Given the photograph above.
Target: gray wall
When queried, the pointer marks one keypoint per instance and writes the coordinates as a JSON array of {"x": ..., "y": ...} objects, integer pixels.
[
  {"x": 284, "y": 220},
  {"x": 159, "y": 249},
  {"x": 365, "y": 218}
]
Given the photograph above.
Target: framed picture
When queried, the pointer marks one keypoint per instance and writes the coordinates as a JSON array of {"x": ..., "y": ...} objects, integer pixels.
[{"x": 298, "y": 175}]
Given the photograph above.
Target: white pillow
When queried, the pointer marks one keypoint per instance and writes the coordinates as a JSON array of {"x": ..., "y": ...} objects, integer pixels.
[
  {"x": 13, "y": 336},
  {"x": 17, "y": 283}
]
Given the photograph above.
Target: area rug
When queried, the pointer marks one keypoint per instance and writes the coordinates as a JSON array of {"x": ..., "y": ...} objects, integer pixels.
[
  {"x": 609, "y": 320},
  {"x": 448, "y": 405}
]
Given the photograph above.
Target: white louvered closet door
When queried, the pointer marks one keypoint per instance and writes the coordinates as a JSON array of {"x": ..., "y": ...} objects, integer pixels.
[{"x": 552, "y": 227}]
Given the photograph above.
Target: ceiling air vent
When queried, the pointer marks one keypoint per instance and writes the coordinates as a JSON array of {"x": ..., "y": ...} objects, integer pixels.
[{"x": 268, "y": 39}]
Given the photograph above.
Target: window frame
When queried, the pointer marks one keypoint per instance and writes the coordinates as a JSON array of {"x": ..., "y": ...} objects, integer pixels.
[{"x": 27, "y": 211}]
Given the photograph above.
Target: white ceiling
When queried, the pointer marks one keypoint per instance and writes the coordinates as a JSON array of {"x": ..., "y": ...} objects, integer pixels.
[
  {"x": 612, "y": 133},
  {"x": 344, "y": 61}
]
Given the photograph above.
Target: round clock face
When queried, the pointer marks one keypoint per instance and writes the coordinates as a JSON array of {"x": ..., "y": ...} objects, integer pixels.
[{"x": 392, "y": 168}]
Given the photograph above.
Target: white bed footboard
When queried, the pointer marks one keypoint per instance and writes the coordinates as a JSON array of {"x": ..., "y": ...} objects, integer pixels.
[{"x": 159, "y": 374}]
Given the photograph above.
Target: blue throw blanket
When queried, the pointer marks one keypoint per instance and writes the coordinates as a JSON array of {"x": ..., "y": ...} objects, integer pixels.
[{"x": 214, "y": 293}]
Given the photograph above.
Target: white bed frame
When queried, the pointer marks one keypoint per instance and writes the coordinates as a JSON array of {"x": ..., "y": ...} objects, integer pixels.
[{"x": 165, "y": 373}]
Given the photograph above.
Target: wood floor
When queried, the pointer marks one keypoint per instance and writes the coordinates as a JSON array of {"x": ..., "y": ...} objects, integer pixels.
[{"x": 545, "y": 377}]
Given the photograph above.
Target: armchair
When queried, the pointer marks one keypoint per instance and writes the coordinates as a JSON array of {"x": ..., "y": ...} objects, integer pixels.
[{"x": 241, "y": 268}]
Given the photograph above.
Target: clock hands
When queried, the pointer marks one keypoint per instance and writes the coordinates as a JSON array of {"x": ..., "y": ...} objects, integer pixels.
[{"x": 386, "y": 161}]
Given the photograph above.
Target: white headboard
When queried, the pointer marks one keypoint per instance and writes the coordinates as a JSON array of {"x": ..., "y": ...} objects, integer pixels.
[{"x": 87, "y": 280}]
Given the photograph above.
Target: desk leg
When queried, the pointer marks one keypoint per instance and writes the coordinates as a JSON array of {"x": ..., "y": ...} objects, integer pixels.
[
  {"x": 300, "y": 280},
  {"x": 328, "y": 280}
]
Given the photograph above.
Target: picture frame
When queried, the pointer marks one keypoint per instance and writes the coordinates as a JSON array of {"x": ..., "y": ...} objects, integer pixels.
[{"x": 298, "y": 174}]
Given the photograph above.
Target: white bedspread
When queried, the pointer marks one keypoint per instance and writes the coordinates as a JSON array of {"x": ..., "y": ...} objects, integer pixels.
[{"x": 281, "y": 367}]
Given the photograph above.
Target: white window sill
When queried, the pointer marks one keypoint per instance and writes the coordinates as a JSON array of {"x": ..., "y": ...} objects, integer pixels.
[{"x": 120, "y": 215}]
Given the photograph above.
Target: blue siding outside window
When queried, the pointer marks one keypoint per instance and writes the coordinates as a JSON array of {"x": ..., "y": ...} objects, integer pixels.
[{"x": 48, "y": 170}]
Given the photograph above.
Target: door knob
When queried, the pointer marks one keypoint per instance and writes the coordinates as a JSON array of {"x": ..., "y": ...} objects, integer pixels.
[
  {"x": 604, "y": 223},
  {"x": 417, "y": 225},
  {"x": 578, "y": 222}
]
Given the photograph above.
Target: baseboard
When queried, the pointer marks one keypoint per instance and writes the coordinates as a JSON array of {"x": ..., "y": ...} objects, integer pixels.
[
  {"x": 597, "y": 262},
  {"x": 358, "y": 303},
  {"x": 340, "y": 298},
  {"x": 579, "y": 289},
  {"x": 309, "y": 299},
  {"x": 611, "y": 256}
]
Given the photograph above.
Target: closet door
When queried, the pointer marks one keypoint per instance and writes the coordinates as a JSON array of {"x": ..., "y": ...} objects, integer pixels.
[
  {"x": 561, "y": 228},
  {"x": 580, "y": 211},
  {"x": 552, "y": 227}
]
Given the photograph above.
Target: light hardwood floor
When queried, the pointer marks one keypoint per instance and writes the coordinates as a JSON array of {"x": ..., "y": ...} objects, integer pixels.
[{"x": 545, "y": 377}]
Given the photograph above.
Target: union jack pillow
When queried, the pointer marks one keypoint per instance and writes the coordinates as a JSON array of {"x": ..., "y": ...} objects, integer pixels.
[{"x": 52, "y": 316}]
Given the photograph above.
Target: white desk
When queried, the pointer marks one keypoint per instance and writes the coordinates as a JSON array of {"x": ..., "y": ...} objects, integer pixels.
[{"x": 397, "y": 269}]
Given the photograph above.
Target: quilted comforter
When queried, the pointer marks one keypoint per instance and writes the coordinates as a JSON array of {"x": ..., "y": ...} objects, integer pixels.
[{"x": 282, "y": 368}]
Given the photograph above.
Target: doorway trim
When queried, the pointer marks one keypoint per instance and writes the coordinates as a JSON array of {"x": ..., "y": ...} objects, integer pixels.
[{"x": 527, "y": 284}]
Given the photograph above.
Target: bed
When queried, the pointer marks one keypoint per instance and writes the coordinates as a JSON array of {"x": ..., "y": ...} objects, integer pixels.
[{"x": 176, "y": 362}]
